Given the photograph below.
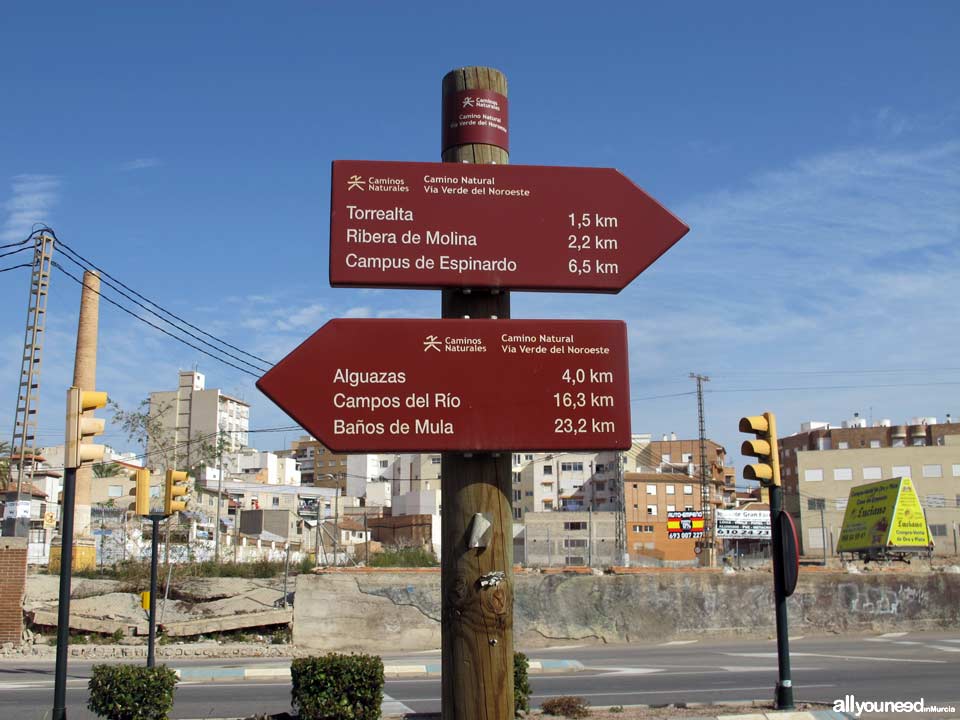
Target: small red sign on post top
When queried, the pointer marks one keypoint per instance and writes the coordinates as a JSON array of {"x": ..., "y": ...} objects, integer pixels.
[
  {"x": 516, "y": 227},
  {"x": 468, "y": 385}
]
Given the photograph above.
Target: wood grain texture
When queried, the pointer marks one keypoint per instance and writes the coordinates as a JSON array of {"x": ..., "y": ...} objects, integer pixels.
[{"x": 477, "y": 628}]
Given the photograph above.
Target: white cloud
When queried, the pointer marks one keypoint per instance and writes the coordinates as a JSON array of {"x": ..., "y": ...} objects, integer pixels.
[
  {"x": 141, "y": 163},
  {"x": 33, "y": 197}
]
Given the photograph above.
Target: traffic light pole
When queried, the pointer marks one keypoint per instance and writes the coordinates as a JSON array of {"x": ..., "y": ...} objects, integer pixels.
[
  {"x": 784, "y": 692},
  {"x": 63, "y": 603},
  {"x": 154, "y": 551}
]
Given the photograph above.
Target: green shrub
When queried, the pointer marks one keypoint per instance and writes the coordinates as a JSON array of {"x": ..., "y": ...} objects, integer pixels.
[
  {"x": 521, "y": 683},
  {"x": 337, "y": 687},
  {"x": 404, "y": 557},
  {"x": 565, "y": 706},
  {"x": 131, "y": 692}
]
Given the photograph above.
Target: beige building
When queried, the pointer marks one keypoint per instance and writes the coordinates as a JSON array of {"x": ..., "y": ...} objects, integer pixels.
[
  {"x": 191, "y": 417},
  {"x": 820, "y": 464}
]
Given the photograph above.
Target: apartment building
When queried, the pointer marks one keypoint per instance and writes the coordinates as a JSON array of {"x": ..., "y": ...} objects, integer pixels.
[
  {"x": 545, "y": 482},
  {"x": 318, "y": 461},
  {"x": 649, "y": 497},
  {"x": 190, "y": 417},
  {"x": 571, "y": 538},
  {"x": 820, "y": 464}
]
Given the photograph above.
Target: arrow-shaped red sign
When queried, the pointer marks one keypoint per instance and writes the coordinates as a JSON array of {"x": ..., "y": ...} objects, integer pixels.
[
  {"x": 422, "y": 385},
  {"x": 523, "y": 227}
]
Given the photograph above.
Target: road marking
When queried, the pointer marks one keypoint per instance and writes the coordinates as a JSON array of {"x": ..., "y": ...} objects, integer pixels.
[
  {"x": 945, "y": 648},
  {"x": 839, "y": 657},
  {"x": 393, "y": 707},
  {"x": 893, "y": 635},
  {"x": 678, "y": 642},
  {"x": 790, "y": 638}
]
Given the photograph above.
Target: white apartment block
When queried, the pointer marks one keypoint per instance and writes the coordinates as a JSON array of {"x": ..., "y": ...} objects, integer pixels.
[
  {"x": 544, "y": 482},
  {"x": 191, "y": 415}
]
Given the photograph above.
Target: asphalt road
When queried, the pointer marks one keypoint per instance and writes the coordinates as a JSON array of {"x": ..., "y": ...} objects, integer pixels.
[{"x": 884, "y": 667}]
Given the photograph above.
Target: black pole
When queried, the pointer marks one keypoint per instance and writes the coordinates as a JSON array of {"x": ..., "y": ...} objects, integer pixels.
[
  {"x": 784, "y": 692},
  {"x": 63, "y": 603},
  {"x": 154, "y": 551}
]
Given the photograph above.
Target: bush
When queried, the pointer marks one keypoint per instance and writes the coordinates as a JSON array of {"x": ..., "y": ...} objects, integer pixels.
[
  {"x": 521, "y": 683},
  {"x": 565, "y": 706},
  {"x": 404, "y": 557},
  {"x": 131, "y": 692},
  {"x": 337, "y": 687}
]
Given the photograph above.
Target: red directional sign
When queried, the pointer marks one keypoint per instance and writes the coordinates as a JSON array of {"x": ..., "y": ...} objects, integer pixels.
[
  {"x": 522, "y": 227},
  {"x": 470, "y": 385}
]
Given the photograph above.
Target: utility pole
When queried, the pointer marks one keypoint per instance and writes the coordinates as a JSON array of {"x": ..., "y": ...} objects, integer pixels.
[
  {"x": 216, "y": 542},
  {"x": 706, "y": 506},
  {"x": 823, "y": 530},
  {"x": 477, "y": 626},
  {"x": 22, "y": 446}
]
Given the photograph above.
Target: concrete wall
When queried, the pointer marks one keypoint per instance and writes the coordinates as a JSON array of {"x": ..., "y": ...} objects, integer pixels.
[{"x": 398, "y": 611}]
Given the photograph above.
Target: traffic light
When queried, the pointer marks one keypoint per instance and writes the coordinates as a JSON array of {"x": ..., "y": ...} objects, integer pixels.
[
  {"x": 81, "y": 427},
  {"x": 764, "y": 448},
  {"x": 176, "y": 486},
  {"x": 142, "y": 506}
]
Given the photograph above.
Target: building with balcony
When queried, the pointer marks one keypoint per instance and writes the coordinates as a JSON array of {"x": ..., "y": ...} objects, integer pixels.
[{"x": 819, "y": 465}]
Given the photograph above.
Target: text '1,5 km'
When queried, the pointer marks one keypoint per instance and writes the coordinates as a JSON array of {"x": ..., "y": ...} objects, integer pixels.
[
  {"x": 517, "y": 227},
  {"x": 468, "y": 385}
]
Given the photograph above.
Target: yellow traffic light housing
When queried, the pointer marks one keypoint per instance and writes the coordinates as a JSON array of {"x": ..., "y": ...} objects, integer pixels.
[
  {"x": 175, "y": 487},
  {"x": 81, "y": 427},
  {"x": 142, "y": 506},
  {"x": 764, "y": 448}
]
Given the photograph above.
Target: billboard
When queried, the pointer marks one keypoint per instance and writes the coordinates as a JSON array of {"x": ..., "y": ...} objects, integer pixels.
[
  {"x": 684, "y": 524},
  {"x": 884, "y": 515},
  {"x": 743, "y": 524}
]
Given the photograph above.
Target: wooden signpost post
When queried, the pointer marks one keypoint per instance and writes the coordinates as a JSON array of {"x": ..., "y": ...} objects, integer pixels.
[{"x": 475, "y": 384}]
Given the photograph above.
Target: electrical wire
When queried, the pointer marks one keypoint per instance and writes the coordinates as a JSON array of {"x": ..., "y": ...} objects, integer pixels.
[
  {"x": 153, "y": 325},
  {"x": 14, "y": 267},
  {"x": 70, "y": 251}
]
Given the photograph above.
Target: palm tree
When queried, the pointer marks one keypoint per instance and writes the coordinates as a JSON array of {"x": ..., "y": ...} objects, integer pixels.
[{"x": 106, "y": 469}]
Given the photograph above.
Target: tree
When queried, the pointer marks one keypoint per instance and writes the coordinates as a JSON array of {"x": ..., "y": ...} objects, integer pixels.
[
  {"x": 106, "y": 469},
  {"x": 157, "y": 437},
  {"x": 4, "y": 462}
]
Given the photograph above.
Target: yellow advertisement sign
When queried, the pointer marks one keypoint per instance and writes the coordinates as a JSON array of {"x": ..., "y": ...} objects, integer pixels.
[{"x": 883, "y": 514}]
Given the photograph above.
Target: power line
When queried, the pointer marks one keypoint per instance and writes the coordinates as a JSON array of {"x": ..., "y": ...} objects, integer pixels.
[
  {"x": 70, "y": 251},
  {"x": 153, "y": 325},
  {"x": 14, "y": 267}
]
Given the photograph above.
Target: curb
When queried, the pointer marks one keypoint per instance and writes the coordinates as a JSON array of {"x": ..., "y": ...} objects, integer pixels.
[{"x": 228, "y": 674}]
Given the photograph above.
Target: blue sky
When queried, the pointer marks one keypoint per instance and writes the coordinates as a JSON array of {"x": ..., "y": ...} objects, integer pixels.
[{"x": 814, "y": 150}]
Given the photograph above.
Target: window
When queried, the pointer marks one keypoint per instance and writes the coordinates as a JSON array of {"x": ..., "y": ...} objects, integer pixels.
[
  {"x": 688, "y": 489},
  {"x": 932, "y": 471},
  {"x": 435, "y": 460},
  {"x": 516, "y": 459},
  {"x": 874, "y": 443},
  {"x": 651, "y": 489},
  {"x": 517, "y": 495},
  {"x": 571, "y": 467},
  {"x": 384, "y": 463},
  {"x": 636, "y": 528},
  {"x": 574, "y": 542},
  {"x": 840, "y": 503},
  {"x": 516, "y": 513},
  {"x": 528, "y": 457},
  {"x": 935, "y": 501},
  {"x": 573, "y": 560},
  {"x": 516, "y": 478},
  {"x": 956, "y": 470},
  {"x": 276, "y": 502},
  {"x": 872, "y": 473},
  {"x": 652, "y": 510},
  {"x": 901, "y": 471},
  {"x": 574, "y": 526},
  {"x": 688, "y": 508},
  {"x": 665, "y": 457},
  {"x": 671, "y": 490},
  {"x": 814, "y": 475},
  {"x": 528, "y": 493},
  {"x": 671, "y": 508},
  {"x": 601, "y": 468},
  {"x": 938, "y": 530},
  {"x": 919, "y": 442},
  {"x": 686, "y": 457},
  {"x": 898, "y": 442},
  {"x": 548, "y": 469},
  {"x": 115, "y": 491},
  {"x": 843, "y": 445},
  {"x": 816, "y": 504},
  {"x": 815, "y": 538},
  {"x": 843, "y": 473},
  {"x": 643, "y": 528}
]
